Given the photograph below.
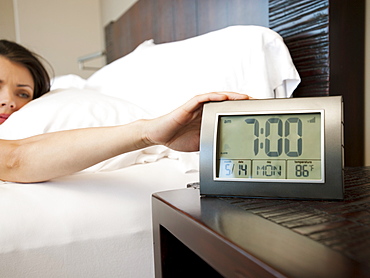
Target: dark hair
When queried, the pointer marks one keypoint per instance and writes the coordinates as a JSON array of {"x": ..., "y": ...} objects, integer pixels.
[{"x": 19, "y": 54}]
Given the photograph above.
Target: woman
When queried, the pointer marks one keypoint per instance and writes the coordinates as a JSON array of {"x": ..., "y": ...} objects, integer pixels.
[{"x": 52, "y": 155}]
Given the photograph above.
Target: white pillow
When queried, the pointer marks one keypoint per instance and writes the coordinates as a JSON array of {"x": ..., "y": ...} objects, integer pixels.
[
  {"x": 66, "y": 109},
  {"x": 247, "y": 59},
  {"x": 67, "y": 81}
]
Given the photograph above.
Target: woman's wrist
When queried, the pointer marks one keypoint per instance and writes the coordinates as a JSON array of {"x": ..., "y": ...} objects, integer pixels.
[{"x": 143, "y": 128}]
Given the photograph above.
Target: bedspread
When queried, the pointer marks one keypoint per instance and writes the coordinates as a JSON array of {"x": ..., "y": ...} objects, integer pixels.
[{"x": 84, "y": 225}]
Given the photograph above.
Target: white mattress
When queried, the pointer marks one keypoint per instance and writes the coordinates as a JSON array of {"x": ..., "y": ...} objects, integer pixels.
[{"x": 84, "y": 225}]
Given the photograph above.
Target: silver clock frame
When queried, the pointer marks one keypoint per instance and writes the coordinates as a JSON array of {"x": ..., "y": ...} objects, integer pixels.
[{"x": 329, "y": 187}]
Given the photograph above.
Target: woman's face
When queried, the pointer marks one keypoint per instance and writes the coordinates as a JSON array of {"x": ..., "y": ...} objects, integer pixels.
[{"x": 16, "y": 87}]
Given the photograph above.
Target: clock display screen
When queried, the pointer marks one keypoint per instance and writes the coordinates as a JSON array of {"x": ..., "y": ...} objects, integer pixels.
[{"x": 275, "y": 146}]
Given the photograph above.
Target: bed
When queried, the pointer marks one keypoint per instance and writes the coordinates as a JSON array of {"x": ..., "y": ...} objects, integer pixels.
[{"x": 97, "y": 223}]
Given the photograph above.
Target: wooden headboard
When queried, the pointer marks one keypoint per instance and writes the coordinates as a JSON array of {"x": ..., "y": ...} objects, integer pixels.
[{"x": 326, "y": 39}]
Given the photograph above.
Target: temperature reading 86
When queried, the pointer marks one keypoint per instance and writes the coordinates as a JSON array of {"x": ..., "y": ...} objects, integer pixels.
[{"x": 303, "y": 170}]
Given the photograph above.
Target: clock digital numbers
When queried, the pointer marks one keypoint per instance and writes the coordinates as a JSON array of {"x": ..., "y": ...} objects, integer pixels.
[{"x": 276, "y": 146}]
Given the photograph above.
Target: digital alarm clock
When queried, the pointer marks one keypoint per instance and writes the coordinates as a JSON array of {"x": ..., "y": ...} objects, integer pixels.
[{"x": 274, "y": 148}]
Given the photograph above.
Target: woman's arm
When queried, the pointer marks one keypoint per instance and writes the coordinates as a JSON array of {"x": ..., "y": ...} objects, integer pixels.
[{"x": 52, "y": 155}]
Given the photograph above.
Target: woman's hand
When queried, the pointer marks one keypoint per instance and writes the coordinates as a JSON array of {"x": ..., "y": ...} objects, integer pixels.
[{"x": 180, "y": 129}]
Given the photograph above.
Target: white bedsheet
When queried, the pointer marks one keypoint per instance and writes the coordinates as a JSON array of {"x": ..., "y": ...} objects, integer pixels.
[
  {"x": 84, "y": 225},
  {"x": 97, "y": 223}
]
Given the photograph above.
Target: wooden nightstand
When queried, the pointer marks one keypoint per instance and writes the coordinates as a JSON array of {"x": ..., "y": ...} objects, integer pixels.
[{"x": 198, "y": 236}]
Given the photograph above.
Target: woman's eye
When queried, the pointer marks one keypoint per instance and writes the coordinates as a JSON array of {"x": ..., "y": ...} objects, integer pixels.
[{"x": 23, "y": 95}]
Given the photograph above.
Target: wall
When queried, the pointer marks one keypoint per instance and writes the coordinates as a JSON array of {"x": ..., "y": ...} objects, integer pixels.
[
  {"x": 7, "y": 25},
  {"x": 113, "y": 9},
  {"x": 60, "y": 31}
]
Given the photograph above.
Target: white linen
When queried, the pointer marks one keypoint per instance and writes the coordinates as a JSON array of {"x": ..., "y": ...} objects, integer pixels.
[
  {"x": 67, "y": 81},
  {"x": 247, "y": 59},
  {"x": 67, "y": 109},
  {"x": 84, "y": 225}
]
